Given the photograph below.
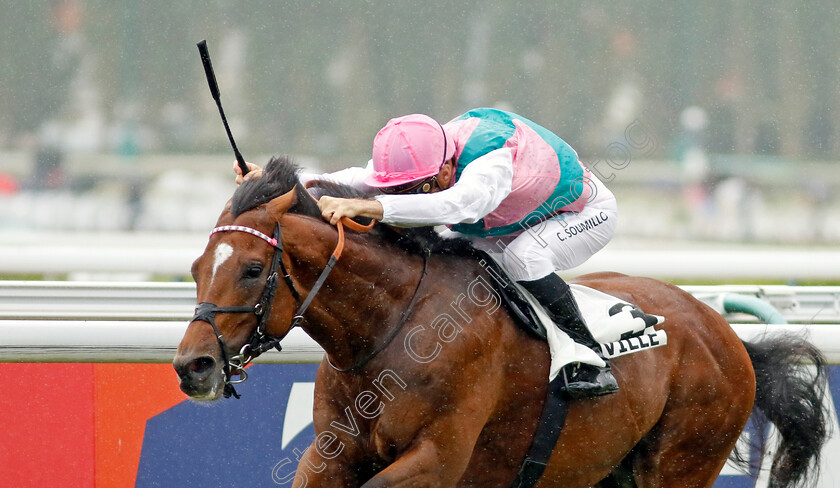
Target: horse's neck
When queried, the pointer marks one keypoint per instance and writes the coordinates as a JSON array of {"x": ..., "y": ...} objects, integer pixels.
[{"x": 363, "y": 298}]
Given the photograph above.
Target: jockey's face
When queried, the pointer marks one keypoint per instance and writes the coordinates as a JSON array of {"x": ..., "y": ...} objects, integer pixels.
[{"x": 441, "y": 181}]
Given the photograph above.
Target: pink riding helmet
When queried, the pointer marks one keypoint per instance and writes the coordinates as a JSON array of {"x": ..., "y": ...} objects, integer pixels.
[{"x": 407, "y": 149}]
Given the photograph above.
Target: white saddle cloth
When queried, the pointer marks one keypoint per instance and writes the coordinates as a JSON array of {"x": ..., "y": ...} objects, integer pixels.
[{"x": 607, "y": 329}]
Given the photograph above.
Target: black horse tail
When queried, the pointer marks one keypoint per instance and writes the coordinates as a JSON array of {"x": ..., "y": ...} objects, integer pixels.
[{"x": 790, "y": 395}]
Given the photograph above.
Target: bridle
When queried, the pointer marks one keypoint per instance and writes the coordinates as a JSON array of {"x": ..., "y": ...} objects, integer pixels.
[{"x": 260, "y": 341}]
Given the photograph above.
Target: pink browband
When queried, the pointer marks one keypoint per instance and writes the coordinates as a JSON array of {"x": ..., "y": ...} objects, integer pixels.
[{"x": 253, "y": 232}]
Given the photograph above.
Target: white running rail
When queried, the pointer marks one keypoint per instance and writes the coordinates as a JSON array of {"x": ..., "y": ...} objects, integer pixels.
[{"x": 42, "y": 321}]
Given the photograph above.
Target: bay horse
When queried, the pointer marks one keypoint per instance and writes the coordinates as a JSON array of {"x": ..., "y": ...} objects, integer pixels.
[{"x": 428, "y": 381}]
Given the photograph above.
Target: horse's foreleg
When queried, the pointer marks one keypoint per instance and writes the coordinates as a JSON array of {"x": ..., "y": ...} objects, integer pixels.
[
  {"x": 314, "y": 471},
  {"x": 428, "y": 464}
]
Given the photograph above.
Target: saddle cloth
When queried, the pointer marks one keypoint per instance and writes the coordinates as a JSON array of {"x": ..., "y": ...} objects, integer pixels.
[{"x": 618, "y": 326}]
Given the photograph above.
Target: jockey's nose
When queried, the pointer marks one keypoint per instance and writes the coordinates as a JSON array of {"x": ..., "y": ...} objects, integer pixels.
[{"x": 195, "y": 372}]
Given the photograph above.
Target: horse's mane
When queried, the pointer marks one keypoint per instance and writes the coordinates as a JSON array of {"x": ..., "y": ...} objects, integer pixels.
[{"x": 281, "y": 176}]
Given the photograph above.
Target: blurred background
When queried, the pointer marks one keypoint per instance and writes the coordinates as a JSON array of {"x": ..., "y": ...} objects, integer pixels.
[{"x": 712, "y": 121}]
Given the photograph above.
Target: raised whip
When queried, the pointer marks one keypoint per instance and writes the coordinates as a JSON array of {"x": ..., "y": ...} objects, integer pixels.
[{"x": 214, "y": 90}]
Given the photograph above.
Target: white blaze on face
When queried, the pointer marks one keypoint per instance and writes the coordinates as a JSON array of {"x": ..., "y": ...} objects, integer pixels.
[{"x": 220, "y": 255}]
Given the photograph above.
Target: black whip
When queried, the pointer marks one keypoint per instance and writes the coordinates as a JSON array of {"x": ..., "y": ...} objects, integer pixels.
[{"x": 214, "y": 90}]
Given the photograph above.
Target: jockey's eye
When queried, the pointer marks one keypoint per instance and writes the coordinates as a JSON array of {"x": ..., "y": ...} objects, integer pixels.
[{"x": 252, "y": 271}]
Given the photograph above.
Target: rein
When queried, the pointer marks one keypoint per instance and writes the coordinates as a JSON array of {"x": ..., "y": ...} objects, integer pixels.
[
  {"x": 260, "y": 341},
  {"x": 391, "y": 335}
]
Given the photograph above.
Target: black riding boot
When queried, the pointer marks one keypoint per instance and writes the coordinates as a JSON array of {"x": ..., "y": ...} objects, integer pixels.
[{"x": 582, "y": 380}]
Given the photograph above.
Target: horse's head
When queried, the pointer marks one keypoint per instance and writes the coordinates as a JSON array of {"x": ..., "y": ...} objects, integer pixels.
[{"x": 246, "y": 298}]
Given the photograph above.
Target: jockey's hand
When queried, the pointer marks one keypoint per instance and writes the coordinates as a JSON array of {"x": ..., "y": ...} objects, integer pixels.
[
  {"x": 254, "y": 171},
  {"x": 333, "y": 209}
]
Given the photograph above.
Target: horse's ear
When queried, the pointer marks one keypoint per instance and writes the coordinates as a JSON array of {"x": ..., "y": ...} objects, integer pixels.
[{"x": 280, "y": 205}]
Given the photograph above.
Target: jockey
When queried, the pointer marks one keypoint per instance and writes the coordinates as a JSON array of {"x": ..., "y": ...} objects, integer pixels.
[{"x": 507, "y": 184}]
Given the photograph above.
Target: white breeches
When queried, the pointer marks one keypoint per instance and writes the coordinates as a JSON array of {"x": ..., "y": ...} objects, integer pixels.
[{"x": 559, "y": 243}]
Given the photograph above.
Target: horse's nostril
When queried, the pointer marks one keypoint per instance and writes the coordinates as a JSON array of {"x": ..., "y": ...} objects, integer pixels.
[{"x": 202, "y": 365}]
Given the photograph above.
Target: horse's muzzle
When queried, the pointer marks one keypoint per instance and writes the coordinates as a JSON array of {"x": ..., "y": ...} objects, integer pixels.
[{"x": 201, "y": 378}]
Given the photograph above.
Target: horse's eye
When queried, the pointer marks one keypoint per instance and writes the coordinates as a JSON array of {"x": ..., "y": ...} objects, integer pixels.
[{"x": 253, "y": 271}]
